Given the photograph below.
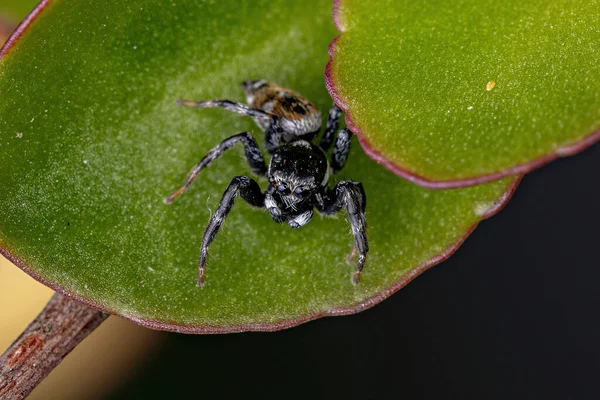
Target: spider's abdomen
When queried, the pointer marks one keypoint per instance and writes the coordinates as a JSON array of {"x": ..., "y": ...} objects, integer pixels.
[{"x": 296, "y": 114}]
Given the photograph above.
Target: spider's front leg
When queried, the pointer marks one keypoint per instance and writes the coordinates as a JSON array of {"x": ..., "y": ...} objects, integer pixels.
[
  {"x": 350, "y": 196},
  {"x": 249, "y": 190},
  {"x": 253, "y": 156}
]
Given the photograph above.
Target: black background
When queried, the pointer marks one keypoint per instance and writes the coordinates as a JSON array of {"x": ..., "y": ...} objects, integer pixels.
[{"x": 512, "y": 315}]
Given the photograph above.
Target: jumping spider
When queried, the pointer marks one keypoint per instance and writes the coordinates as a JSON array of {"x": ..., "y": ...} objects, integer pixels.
[{"x": 298, "y": 172}]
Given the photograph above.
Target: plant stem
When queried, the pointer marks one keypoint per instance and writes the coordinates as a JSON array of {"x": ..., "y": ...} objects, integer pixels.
[{"x": 42, "y": 346}]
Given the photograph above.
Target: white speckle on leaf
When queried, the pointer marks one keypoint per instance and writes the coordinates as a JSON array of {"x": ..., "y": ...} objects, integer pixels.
[
  {"x": 470, "y": 108},
  {"x": 482, "y": 208}
]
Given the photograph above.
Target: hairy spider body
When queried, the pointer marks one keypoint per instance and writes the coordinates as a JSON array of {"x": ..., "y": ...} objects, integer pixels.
[
  {"x": 298, "y": 172},
  {"x": 296, "y": 115}
]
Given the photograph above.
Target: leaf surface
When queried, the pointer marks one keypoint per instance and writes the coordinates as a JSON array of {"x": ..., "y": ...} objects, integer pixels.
[
  {"x": 455, "y": 93},
  {"x": 91, "y": 141}
]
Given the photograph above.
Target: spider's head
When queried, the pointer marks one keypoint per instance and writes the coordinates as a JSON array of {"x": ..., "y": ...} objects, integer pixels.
[
  {"x": 253, "y": 87},
  {"x": 290, "y": 191},
  {"x": 296, "y": 171}
]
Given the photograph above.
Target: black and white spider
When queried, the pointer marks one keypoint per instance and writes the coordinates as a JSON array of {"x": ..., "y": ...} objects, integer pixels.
[{"x": 298, "y": 172}]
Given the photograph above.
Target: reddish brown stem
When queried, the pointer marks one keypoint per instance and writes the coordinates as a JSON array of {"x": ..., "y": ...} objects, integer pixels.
[{"x": 43, "y": 345}]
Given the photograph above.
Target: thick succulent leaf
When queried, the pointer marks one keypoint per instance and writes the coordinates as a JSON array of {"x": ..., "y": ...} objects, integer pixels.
[
  {"x": 91, "y": 141},
  {"x": 454, "y": 93}
]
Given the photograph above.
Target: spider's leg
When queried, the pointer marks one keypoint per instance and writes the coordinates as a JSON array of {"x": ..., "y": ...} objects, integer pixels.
[
  {"x": 300, "y": 219},
  {"x": 249, "y": 190},
  {"x": 350, "y": 195},
  {"x": 332, "y": 125},
  {"x": 253, "y": 156},
  {"x": 341, "y": 150},
  {"x": 273, "y": 208},
  {"x": 238, "y": 108},
  {"x": 273, "y": 136}
]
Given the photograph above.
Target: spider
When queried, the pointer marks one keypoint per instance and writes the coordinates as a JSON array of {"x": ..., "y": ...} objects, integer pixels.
[{"x": 298, "y": 172}]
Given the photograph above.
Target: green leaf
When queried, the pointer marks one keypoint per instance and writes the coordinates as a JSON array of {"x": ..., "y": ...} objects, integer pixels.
[
  {"x": 91, "y": 141},
  {"x": 454, "y": 93}
]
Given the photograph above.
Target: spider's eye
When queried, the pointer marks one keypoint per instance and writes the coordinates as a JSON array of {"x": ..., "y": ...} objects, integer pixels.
[
  {"x": 281, "y": 188},
  {"x": 302, "y": 190}
]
